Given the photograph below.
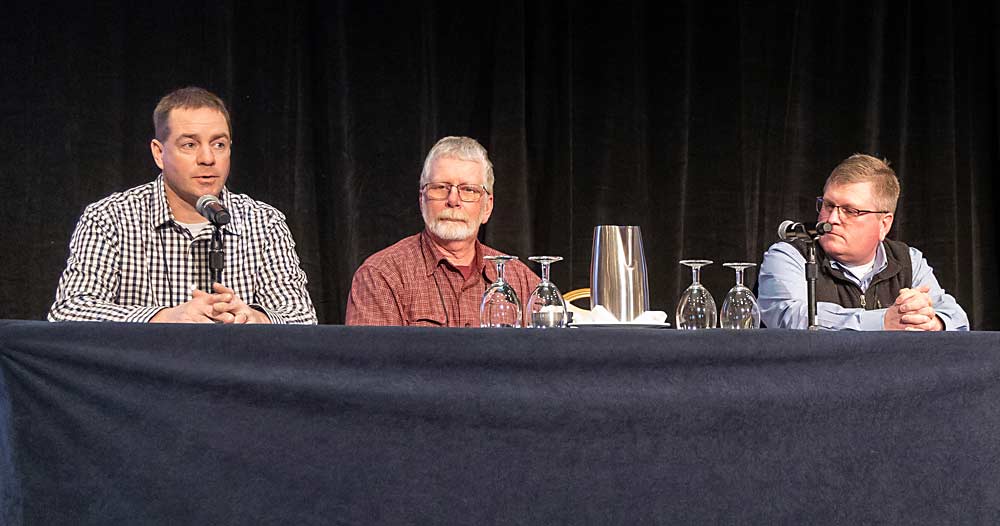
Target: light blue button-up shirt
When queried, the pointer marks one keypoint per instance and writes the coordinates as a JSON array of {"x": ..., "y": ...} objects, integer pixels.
[{"x": 783, "y": 297}]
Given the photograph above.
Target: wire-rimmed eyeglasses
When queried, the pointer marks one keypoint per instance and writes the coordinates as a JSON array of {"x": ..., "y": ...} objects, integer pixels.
[
  {"x": 849, "y": 212},
  {"x": 468, "y": 193}
]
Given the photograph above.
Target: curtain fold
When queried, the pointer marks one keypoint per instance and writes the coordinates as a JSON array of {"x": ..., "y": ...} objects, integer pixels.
[{"x": 706, "y": 125}]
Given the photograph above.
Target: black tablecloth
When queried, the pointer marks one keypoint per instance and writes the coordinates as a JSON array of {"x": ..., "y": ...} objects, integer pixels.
[{"x": 158, "y": 424}]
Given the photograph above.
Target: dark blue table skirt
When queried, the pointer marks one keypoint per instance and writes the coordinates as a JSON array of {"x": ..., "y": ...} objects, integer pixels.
[{"x": 158, "y": 424}]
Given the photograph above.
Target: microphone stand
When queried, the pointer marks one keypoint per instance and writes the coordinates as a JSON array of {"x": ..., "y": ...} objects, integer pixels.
[
  {"x": 811, "y": 273},
  {"x": 216, "y": 255},
  {"x": 790, "y": 230}
]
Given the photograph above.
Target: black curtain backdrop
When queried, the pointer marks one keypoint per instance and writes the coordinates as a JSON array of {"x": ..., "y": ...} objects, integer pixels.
[{"x": 705, "y": 123}]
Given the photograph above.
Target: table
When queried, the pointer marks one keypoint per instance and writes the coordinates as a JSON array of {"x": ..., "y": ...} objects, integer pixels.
[{"x": 105, "y": 423}]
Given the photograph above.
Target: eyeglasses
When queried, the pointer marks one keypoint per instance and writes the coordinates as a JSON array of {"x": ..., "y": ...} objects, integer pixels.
[
  {"x": 468, "y": 193},
  {"x": 846, "y": 212}
]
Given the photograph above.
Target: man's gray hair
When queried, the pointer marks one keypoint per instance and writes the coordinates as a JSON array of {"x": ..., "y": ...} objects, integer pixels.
[{"x": 462, "y": 148}]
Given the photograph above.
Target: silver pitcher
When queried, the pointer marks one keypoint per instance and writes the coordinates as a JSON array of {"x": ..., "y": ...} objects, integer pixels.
[{"x": 618, "y": 272}]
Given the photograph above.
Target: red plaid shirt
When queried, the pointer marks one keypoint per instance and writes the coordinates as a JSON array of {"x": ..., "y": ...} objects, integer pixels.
[{"x": 411, "y": 283}]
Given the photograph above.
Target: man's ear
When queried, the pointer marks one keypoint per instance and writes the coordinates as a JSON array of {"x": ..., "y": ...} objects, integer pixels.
[
  {"x": 488, "y": 209},
  {"x": 886, "y": 224},
  {"x": 156, "y": 147}
]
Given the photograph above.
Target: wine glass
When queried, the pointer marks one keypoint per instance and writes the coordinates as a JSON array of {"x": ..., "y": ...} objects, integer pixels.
[
  {"x": 500, "y": 306},
  {"x": 739, "y": 309},
  {"x": 546, "y": 304},
  {"x": 696, "y": 309}
]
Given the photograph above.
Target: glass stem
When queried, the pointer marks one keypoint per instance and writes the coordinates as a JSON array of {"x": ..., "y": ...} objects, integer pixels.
[
  {"x": 545, "y": 272},
  {"x": 500, "y": 263},
  {"x": 695, "y": 275},
  {"x": 739, "y": 277}
]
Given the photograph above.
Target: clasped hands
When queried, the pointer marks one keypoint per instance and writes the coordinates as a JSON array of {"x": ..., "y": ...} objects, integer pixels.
[
  {"x": 222, "y": 306},
  {"x": 913, "y": 311}
]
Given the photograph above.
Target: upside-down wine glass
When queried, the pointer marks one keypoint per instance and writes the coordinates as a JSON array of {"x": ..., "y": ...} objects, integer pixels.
[
  {"x": 500, "y": 306},
  {"x": 739, "y": 309},
  {"x": 696, "y": 309},
  {"x": 546, "y": 304}
]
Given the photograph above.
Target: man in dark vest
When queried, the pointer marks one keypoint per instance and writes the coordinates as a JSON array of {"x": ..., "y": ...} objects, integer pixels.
[{"x": 865, "y": 281}]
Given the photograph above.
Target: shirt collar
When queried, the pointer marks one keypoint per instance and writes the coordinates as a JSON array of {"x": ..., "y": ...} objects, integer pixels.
[
  {"x": 160, "y": 210},
  {"x": 433, "y": 258},
  {"x": 881, "y": 262},
  {"x": 163, "y": 216}
]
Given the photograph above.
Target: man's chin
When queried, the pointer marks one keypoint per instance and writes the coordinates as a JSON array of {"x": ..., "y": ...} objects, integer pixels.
[
  {"x": 832, "y": 243},
  {"x": 451, "y": 231},
  {"x": 836, "y": 248}
]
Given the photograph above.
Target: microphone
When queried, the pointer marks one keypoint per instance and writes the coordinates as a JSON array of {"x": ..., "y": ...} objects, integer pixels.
[
  {"x": 792, "y": 230},
  {"x": 210, "y": 207}
]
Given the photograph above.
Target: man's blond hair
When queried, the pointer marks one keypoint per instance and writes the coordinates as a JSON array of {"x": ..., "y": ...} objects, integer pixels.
[{"x": 861, "y": 168}]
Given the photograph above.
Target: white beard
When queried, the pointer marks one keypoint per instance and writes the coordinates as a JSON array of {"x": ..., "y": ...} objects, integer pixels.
[{"x": 447, "y": 230}]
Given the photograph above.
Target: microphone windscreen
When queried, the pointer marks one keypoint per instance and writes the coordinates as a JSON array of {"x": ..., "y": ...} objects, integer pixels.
[
  {"x": 204, "y": 201},
  {"x": 783, "y": 229}
]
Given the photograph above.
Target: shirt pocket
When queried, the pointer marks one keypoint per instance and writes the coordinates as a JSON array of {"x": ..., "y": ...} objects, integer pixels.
[
  {"x": 426, "y": 315},
  {"x": 427, "y": 321}
]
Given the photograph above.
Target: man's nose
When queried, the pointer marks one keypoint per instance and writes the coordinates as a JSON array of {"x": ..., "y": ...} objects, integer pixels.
[
  {"x": 834, "y": 216},
  {"x": 206, "y": 156},
  {"x": 453, "y": 200}
]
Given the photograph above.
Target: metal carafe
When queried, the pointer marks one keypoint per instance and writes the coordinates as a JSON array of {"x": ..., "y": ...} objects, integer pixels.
[{"x": 618, "y": 272}]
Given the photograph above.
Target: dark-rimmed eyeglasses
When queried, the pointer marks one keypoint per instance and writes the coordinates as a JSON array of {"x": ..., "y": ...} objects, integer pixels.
[
  {"x": 827, "y": 208},
  {"x": 468, "y": 193}
]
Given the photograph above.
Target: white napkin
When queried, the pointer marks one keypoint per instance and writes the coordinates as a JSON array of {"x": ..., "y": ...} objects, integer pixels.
[{"x": 601, "y": 315}]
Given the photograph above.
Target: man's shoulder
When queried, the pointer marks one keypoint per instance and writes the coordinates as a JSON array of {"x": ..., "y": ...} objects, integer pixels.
[
  {"x": 403, "y": 252},
  {"x": 131, "y": 199},
  {"x": 516, "y": 266},
  {"x": 779, "y": 259},
  {"x": 490, "y": 251},
  {"x": 898, "y": 249},
  {"x": 246, "y": 206},
  {"x": 783, "y": 250}
]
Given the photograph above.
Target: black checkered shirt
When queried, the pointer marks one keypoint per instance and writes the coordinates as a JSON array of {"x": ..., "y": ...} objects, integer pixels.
[{"x": 128, "y": 259}]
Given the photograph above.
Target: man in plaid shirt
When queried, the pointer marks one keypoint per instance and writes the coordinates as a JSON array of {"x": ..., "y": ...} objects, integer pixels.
[
  {"x": 142, "y": 255},
  {"x": 437, "y": 277}
]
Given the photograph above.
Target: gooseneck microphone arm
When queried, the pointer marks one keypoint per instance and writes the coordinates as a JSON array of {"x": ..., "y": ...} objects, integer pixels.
[{"x": 792, "y": 230}]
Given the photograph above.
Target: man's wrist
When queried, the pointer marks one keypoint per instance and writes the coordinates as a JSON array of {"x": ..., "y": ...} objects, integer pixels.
[
  {"x": 260, "y": 315},
  {"x": 161, "y": 315}
]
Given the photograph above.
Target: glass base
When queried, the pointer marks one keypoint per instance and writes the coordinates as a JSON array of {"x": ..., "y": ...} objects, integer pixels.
[{"x": 548, "y": 319}]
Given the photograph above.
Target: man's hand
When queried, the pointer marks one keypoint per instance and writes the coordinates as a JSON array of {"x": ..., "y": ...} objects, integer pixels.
[
  {"x": 198, "y": 310},
  {"x": 229, "y": 308},
  {"x": 913, "y": 310}
]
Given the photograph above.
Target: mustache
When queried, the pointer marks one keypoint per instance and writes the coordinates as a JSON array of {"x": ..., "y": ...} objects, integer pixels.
[{"x": 453, "y": 214}]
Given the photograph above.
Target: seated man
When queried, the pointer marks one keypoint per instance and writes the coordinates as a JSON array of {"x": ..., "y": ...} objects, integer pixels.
[
  {"x": 437, "y": 277},
  {"x": 864, "y": 282},
  {"x": 142, "y": 255}
]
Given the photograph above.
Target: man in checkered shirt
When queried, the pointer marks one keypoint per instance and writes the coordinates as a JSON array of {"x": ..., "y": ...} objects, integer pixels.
[
  {"x": 437, "y": 277},
  {"x": 142, "y": 255}
]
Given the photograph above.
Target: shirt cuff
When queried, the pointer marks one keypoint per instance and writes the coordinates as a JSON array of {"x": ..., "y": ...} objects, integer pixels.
[
  {"x": 143, "y": 314},
  {"x": 949, "y": 324},
  {"x": 276, "y": 319},
  {"x": 872, "y": 320}
]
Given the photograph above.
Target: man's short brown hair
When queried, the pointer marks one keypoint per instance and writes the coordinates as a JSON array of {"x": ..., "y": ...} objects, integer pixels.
[
  {"x": 191, "y": 98},
  {"x": 861, "y": 168}
]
